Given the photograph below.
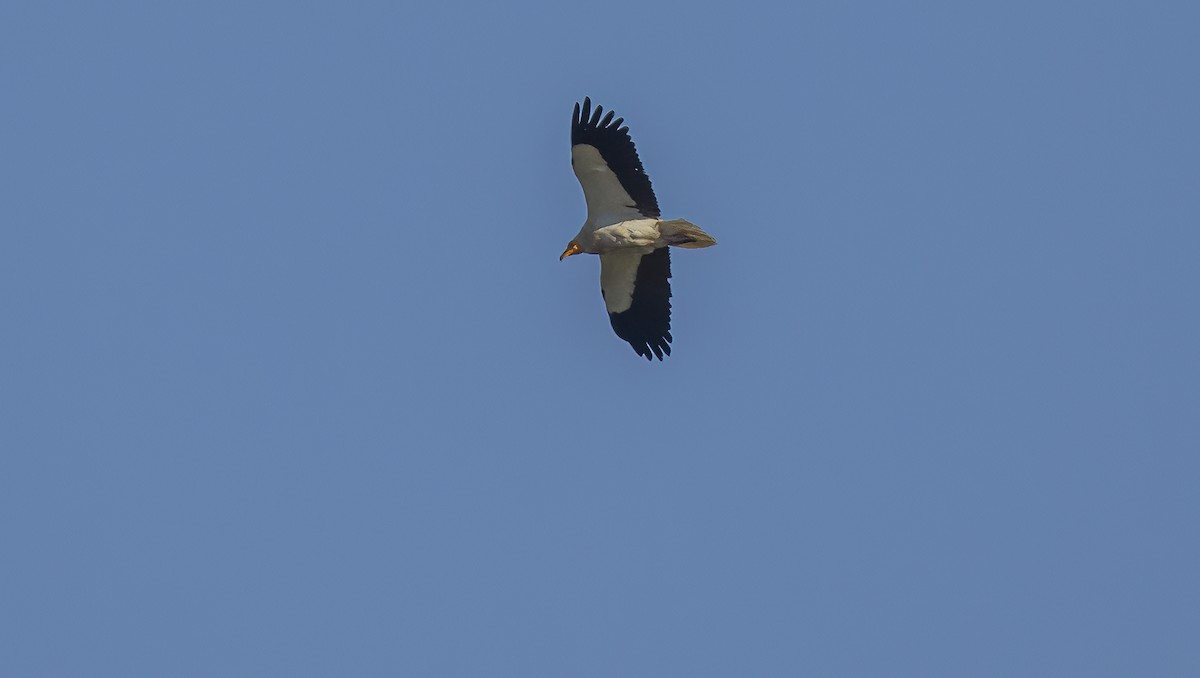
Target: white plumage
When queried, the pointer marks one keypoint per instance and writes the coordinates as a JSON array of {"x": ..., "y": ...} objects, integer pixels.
[{"x": 607, "y": 201}]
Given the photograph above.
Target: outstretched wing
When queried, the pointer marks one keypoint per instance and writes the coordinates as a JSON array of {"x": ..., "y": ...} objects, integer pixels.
[
  {"x": 606, "y": 163},
  {"x": 637, "y": 293}
]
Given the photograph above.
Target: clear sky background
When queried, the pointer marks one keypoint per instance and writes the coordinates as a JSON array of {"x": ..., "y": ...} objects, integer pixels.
[{"x": 292, "y": 382}]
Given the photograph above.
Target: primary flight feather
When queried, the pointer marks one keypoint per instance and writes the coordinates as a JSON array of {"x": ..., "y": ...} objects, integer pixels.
[{"x": 624, "y": 228}]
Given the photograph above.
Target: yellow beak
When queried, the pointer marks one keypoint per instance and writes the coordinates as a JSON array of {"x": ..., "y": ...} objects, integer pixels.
[{"x": 572, "y": 249}]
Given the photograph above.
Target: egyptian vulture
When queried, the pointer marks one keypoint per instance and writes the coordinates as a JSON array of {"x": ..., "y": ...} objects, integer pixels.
[{"x": 624, "y": 228}]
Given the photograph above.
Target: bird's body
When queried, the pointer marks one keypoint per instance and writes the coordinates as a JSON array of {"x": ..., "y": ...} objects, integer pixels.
[
  {"x": 624, "y": 227},
  {"x": 595, "y": 239},
  {"x": 640, "y": 233}
]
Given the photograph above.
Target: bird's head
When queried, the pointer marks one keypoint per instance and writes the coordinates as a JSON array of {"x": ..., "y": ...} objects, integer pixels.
[{"x": 572, "y": 248}]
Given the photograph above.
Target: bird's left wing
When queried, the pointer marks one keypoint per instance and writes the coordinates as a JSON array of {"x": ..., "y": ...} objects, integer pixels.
[
  {"x": 637, "y": 294},
  {"x": 606, "y": 163}
]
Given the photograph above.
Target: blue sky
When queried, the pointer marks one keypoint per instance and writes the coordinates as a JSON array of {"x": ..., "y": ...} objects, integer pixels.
[{"x": 293, "y": 382}]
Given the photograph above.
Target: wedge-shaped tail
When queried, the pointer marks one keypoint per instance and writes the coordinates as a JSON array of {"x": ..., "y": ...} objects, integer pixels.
[{"x": 683, "y": 233}]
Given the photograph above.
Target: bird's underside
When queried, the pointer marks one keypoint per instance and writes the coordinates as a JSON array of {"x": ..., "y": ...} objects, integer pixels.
[{"x": 624, "y": 227}]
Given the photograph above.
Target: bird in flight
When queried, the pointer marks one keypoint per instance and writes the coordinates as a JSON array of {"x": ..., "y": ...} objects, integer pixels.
[{"x": 624, "y": 228}]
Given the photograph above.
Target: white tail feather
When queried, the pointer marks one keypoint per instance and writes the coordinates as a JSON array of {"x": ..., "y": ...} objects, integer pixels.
[{"x": 682, "y": 233}]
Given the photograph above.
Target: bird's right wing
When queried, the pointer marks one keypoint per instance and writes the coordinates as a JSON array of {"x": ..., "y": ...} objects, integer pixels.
[{"x": 637, "y": 294}]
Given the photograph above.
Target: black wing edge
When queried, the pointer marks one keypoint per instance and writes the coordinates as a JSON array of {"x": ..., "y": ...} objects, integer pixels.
[
  {"x": 646, "y": 325},
  {"x": 617, "y": 149}
]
